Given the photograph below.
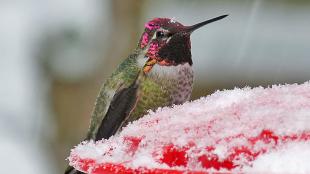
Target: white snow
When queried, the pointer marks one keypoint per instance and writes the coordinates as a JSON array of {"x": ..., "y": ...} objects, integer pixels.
[
  {"x": 292, "y": 158},
  {"x": 258, "y": 130}
]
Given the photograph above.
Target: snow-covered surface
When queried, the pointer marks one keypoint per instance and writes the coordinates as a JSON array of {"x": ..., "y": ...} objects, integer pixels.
[
  {"x": 239, "y": 130},
  {"x": 292, "y": 158}
]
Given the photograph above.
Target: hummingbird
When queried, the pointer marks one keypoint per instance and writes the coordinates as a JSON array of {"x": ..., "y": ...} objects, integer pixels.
[{"x": 157, "y": 73}]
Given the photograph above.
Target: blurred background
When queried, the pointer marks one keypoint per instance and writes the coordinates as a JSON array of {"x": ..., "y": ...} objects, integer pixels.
[{"x": 55, "y": 54}]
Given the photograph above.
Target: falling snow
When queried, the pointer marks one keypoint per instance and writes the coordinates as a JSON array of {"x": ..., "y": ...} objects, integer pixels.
[{"x": 239, "y": 130}]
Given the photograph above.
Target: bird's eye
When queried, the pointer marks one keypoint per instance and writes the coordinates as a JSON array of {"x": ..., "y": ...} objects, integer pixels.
[{"x": 160, "y": 34}]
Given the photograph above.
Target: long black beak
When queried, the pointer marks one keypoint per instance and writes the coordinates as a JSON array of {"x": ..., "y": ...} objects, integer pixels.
[{"x": 192, "y": 28}]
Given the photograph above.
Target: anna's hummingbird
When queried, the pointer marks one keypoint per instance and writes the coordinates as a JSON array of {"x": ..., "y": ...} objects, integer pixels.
[{"x": 158, "y": 73}]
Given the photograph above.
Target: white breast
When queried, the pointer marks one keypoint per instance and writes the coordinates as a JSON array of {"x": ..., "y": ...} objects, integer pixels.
[
  {"x": 171, "y": 72},
  {"x": 179, "y": 80}
]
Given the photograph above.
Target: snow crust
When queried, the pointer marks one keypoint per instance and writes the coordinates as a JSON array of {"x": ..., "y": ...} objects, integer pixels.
[
  {"x": 271, "y": 124},
  {"x": 292, "y": 158}
]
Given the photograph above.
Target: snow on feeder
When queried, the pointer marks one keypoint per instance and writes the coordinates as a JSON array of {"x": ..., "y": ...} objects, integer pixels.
[{"x": 241, "y": 130}]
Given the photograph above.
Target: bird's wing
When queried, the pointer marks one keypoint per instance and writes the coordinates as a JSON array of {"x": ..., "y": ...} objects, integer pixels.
[
  {"x": 115, "y": 101},
  {"x": 120, "y": 107}
]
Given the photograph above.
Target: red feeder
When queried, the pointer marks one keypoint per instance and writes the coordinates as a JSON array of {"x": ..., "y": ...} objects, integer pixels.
[{"x": 225, "y": 132}]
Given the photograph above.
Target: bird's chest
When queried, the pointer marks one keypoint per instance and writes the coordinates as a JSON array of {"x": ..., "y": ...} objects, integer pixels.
[
  {"x": 163, "y": 86},
  {"x": 175, "y": 80}
]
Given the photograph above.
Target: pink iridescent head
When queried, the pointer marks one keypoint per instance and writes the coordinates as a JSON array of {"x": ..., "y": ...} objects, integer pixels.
[{"x": 169, "y": 40}]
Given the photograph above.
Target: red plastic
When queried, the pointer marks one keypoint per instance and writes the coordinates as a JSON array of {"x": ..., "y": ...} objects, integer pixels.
[{"x": 176, "y": 156}]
